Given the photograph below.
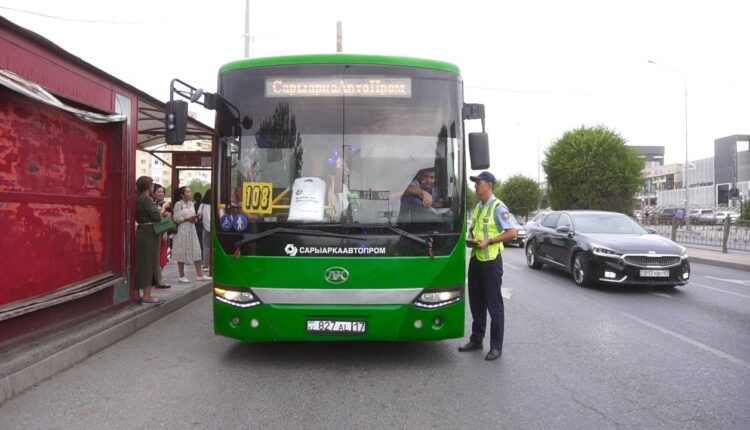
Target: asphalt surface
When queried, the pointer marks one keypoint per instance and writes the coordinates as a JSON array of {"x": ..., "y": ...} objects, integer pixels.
[{"x": 573, "y": 358}]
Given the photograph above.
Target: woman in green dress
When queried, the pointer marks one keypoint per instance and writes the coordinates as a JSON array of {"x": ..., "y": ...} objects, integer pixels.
[{"x": 146, "y": 241}]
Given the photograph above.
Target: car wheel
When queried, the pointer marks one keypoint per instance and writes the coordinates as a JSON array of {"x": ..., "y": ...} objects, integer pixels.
[
  {"x": 532, "y": 259},
  {"x": 581, "y": 273}
]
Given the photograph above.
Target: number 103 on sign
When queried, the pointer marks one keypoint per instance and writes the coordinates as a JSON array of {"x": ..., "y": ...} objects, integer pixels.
[{"x": 257, "y": 197}]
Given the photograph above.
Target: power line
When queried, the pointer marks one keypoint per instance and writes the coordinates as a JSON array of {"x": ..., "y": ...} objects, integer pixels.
[{"x": 87, "y": 21}]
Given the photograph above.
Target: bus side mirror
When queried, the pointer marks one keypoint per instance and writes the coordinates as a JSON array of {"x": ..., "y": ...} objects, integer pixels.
[
  {"x": 175, "y": 119},
  {"x": 479, "y": 150}
]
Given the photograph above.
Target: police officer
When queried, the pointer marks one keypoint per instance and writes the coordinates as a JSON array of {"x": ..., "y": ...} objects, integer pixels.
[{"x": 493, "y": 225}]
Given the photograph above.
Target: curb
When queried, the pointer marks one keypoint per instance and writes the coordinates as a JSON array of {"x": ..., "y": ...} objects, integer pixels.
[
  {"x": 56, "y": 361},
  {"x": 721, "y": 263}
]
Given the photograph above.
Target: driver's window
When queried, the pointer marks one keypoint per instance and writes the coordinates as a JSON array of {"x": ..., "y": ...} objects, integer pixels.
[
  {"x": 563, "y": 221},
  {"x": 550, "y": 221}
]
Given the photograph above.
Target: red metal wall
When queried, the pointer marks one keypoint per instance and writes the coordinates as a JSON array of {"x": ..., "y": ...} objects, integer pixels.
[{"x": 58, "y": 199}]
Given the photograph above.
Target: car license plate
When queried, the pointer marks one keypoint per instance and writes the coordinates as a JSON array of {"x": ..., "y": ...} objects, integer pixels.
[
  {"x": 654, "y": 273},
  {"x": 335, "y": 326}
]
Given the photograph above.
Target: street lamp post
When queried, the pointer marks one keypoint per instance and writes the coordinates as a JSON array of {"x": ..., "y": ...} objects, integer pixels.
[{"x": 685, "y": 173}]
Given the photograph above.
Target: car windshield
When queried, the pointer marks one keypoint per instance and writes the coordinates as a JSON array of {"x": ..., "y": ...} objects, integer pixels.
[{"x": 609, "y": 223}]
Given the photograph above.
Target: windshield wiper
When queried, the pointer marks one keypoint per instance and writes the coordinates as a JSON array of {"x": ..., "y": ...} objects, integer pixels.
[{"x": 303, "y": 232}]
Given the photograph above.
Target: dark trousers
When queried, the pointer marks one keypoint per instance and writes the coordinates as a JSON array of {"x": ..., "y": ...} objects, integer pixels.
[{"x": 485, "y": 279}]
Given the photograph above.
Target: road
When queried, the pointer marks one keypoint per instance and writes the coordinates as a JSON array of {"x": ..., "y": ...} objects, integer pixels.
[{"x": 573, "y": 358}]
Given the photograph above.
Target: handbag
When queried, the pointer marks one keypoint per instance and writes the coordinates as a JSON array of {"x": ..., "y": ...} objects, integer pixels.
[{"x": 166, "y": 224}]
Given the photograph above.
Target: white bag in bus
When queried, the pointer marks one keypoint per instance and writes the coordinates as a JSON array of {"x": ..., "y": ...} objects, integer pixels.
[{"x": 308, "y": 200}]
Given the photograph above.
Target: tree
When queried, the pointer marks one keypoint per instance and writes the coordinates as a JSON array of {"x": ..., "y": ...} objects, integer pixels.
[
  {"x": 198, "y": 186},
  {"x": 591, "y": 168},
  {"x": 471, "y": 198},
  {"x": 521, "y": 194}
]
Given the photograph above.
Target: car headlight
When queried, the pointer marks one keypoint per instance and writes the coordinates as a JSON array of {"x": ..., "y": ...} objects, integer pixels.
[
  {"x": 430, "y": 299},
  {"x": 241, "y": 299},
  {"x": 683, "y": 254},
  {"x": 605, "y": 252}
]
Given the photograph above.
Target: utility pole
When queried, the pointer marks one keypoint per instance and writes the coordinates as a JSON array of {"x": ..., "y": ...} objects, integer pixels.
[
  {"x": 339, "y": 37},
  {"x": 687, "y": 162},
  {"x": 247, "y": 28}
]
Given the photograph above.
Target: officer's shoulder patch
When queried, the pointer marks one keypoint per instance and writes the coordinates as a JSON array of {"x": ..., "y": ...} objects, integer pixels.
[{"x": 506, "y": 215}]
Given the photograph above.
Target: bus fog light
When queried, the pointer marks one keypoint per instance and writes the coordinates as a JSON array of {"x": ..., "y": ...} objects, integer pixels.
[
  {"x": 418, "y": 324},
  {"x": 438, "y": 321},
  {"x": 235, "y": 320},
  {"x": 254, "y": 323},
  {"x": 610, "y": 275}
]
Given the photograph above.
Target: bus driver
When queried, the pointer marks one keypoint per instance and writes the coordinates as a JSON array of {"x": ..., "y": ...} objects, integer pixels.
[{"x": 422, "y": 190}]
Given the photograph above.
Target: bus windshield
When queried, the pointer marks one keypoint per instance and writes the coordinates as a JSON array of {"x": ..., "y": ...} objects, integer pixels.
[{"x": 351, "y": 144}]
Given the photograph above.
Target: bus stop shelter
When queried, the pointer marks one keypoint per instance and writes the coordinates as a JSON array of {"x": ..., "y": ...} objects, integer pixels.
[{"x": 69, "y": 133}]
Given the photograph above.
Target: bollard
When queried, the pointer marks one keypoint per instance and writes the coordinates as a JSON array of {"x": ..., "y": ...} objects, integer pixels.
[
  {"x": 725, "y": 239},
  {"x": 674, "y": 229}
]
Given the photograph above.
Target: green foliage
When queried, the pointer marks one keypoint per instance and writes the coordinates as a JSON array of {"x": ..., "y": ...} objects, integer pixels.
[
  {"x": 497, "y": 188},
  {"x": 746, "y": 211},
  {"x": 521, "y": 194},
  {"x": 591, "y": 168},
  {"x": 471, "y": 197},
  {"x": 198, "y": 186}
]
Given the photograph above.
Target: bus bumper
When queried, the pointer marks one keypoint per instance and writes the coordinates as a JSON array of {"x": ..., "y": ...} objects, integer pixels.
[{"x": 273, "y": 322}]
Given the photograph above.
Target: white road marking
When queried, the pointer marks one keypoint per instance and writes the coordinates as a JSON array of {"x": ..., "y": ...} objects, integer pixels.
[
  {"x": 693, "y": 342},
  {"x": 506, "y": 292},
  {"x": 511, "y": 266},
  {"x": 661, "y": 295},
  {"x": 719, "y": 290},
  {"x": 732, "y": 281}
]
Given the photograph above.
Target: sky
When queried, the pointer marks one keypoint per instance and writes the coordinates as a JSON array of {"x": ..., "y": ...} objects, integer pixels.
[{"x": 540, "y": 67}]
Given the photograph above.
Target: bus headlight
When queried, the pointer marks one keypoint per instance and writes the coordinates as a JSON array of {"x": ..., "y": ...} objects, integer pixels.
[
  {"x": 242, "y": 299},
  {"x": 431, "y": 299}
]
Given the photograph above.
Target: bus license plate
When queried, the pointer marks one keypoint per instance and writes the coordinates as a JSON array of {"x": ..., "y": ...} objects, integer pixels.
[
  {"x": 654, "y": 273},
  {"x": 335, "y": 326}
]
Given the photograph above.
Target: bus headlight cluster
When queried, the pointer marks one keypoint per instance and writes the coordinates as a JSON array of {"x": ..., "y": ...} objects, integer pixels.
[
  {"x": 241, "y": 299},
  {"x": 434, "y": 299}
]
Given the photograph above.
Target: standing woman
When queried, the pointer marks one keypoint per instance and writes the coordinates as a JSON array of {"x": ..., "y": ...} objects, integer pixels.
[
  {"x": 161, "y": 256},
  {"x": 185, "y": 248},
  {"x": 205, "y": 213},
  {"x": 197, "y": 200},
  {"x": 146, "y": 240}
]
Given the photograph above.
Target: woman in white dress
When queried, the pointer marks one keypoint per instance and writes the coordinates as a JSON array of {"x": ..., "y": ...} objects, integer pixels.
[{"x": 185, "y": 247}]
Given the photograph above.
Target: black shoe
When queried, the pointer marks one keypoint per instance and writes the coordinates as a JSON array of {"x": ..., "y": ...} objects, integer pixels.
[
  {"x": 471, "y": 346},
  {"x": 494, "y": 354},
  {"x": 164, "y": 286}
]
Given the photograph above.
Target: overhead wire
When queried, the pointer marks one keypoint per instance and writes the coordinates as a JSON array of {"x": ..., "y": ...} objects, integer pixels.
[{"x": 86, "y": 21}]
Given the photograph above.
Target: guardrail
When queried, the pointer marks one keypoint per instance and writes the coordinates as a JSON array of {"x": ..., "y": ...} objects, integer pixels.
[{"x": 727, "y": 235}]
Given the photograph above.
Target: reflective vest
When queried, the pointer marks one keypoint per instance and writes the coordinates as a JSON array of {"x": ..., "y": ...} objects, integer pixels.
[{"x": 484, "y": 227}]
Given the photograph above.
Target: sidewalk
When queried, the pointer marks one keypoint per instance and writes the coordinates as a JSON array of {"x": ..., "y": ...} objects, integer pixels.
[
  {"x": 739, "y": 260},
  {"x": 26, "y": 366}
]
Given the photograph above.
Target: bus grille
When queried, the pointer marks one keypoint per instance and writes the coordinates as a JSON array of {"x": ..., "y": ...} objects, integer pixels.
[{"x": 646, "y": 261}]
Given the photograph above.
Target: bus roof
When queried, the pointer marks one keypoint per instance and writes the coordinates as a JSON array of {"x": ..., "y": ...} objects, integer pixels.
[{"x": 339, "y": 59}]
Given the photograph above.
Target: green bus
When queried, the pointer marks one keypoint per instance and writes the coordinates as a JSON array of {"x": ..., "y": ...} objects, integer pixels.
[{"x": 315, "y": 236}]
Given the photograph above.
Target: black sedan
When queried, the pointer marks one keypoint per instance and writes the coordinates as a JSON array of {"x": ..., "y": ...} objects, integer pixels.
[{"x": 605, "y": 247}]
